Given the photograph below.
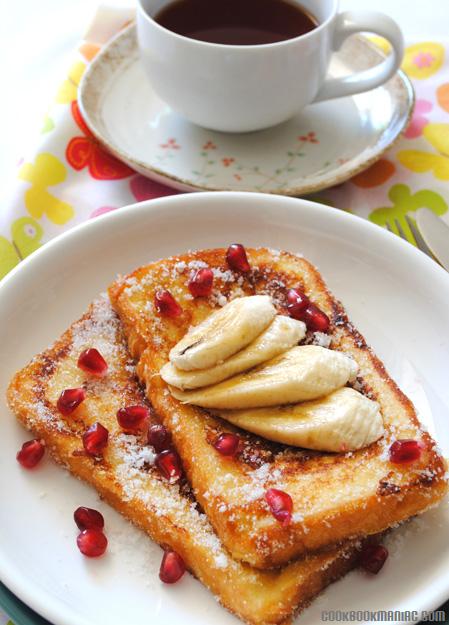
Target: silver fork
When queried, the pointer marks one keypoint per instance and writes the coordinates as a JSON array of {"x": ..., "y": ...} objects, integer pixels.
[{"x": 397, "y": 228}]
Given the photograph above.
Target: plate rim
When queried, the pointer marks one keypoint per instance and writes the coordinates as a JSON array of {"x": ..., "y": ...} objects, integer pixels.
[
  {"x": 17, "y": 611},
  {"x": 183, "y": 184},
  {"x": 22, "y": 588}
]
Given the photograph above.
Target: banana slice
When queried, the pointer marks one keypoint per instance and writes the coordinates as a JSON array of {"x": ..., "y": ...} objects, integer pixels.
[
  {"x": 223, "y": 333},
  {"x": 343, "y": 421},
  {"x": 282, "y": 334},
  {"x": 300, "y": 374}
]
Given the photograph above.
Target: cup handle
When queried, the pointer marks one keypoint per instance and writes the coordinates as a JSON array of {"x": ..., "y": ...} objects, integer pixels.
[{"x": 351, "y": 22}]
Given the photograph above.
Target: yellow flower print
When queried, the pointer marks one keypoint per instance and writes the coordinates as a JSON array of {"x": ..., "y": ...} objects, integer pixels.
[
  {"x": 423, "y": 59},
  {"x": 46, "y": 172},
  {"x": 420, "y": 60},
  {"x": 438, "y": 136},
  {"x": 68, "y": 90},
  {"x": 420, "y": 162},
  {"x": 26, "y": 236}
]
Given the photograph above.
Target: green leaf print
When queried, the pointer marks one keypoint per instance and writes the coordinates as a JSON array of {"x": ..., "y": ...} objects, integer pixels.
[{"x": 403, "y": 203}]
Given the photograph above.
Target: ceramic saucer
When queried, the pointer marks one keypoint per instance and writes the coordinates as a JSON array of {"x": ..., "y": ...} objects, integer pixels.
[{"x": 323, "y": 145}]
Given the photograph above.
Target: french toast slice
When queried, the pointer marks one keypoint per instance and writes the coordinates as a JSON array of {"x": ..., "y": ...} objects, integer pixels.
[
  {"x": 127, "y": 479},
  {"x": 335, "y": 496}
]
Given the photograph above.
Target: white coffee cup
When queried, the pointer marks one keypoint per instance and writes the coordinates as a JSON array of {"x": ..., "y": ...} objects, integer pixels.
[{"x": 239, "y": 88}]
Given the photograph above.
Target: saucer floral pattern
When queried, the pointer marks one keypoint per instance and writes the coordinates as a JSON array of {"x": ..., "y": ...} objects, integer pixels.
[{"x": 212, "y": 161}]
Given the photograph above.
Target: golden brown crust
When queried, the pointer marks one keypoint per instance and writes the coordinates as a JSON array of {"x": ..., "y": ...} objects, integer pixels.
[
  {"x": 335, "y": 496},
  {"x": 126, "y": 479}
]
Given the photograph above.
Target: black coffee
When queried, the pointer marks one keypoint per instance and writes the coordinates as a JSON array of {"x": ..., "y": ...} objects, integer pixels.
[{"x": 236, "y": 22}]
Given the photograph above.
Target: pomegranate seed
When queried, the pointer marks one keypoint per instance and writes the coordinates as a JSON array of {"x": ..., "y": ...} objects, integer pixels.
[
  {"x": 70, "y": 399},
  {"x": 132, "y": 417},
  {"x": 92, "y": 543},
  {"x": 166, "y": 304},
  {"x": 91, "y": 361},
  {"x": 172, "y": 567},
  {"x": 227, "y": 444},
  {"x": 95, "y": 439},
  {"x": 159, "y": 437},
  {"x": 406, "y": 450},
  {"x": 200, "y": 284},
  {"x": 237, "y": 259},
  {"x": 294, "y": 294},
  {"x": 88, "y": 519},
  {"x": 31, "y": 453},
  {"x": 315, "y": 319},
  {"x": 372, "y": 558},
  {"x": 297, "y": 303},
  {"x": 281, "y": 505},
  {"x": 169, "y": 464}
]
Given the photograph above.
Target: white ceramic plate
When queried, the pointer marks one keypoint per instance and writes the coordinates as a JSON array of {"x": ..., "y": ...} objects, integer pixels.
[
  {"x": 324, "y": 145},
  {"x": 396, "y": 296}
]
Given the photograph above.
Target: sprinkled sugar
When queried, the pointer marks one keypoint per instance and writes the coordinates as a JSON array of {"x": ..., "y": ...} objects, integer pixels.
[
  {"x": 133, "y": 462},
  {"x": 321, "y": 339}
]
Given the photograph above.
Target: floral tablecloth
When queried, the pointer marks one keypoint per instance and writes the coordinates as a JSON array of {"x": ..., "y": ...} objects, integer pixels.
[{"x": 67, "y": 178}]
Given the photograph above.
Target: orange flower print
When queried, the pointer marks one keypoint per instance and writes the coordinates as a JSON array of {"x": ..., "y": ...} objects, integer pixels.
[
  {"x": 310, "y": 137},
  {"x": 227, "y": 161},
  {"x": 86, "y": 151},
  {"x": 89, "y": 50},
  {"x": 210, "y": 145},
  {"x": 375, "y": 175},
  {"x": 443, "y": 96},
  {"x": 170, "y": 145},
  {"x": 237, "y": 177}
]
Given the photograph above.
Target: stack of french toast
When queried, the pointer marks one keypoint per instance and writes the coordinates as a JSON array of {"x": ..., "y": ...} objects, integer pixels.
[{"x": 275, "y": 450}]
